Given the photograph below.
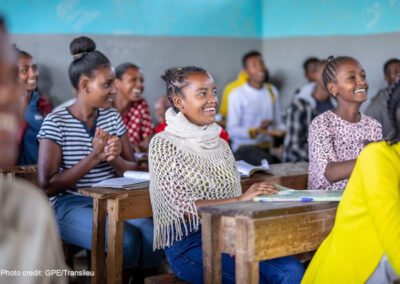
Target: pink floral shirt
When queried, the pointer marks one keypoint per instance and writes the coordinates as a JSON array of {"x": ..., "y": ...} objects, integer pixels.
[
  {"x": 333, "y": 139},
  {"x": 138, "y": 122}
]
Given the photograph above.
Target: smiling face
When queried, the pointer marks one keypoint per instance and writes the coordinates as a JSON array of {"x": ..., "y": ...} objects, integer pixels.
[
  {"x": 131, "y": 84},
  {"x": 255, "y": 69},
  {"x": 351, "y": 85},
  {"x": 198, "y": 101},
  {"x": 99, "y": 90},
  {"x": 28, "y": 73}
]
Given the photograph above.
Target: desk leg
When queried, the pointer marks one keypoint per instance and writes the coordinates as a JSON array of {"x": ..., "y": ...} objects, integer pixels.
[
  {"x": 247, "y": 270},
  {"x": 98, "y": 240},
  {"x": 114, "y": 246},
  {"x": 211, "y": 239}
]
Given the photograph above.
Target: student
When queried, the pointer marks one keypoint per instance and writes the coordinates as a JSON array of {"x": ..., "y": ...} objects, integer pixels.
[
  {"x": 363, "y": 246},
  {"x": 190, "y": 167},
  {"x": 87, "y": 143},
  {"x": 313, "y": 99},
  {"x": 310, "y": 67},
  {"x": 240, "y": 80},
  {"x": 254, "y": 114},
  {"x": 132, "y": 107},
  {"x": 37, "y": 107},
  {"x": 337, "y": 136},
  {"x": 377, "y": 107},
  {"x": 29, "y": 239},
  {"x": 160, "y": 107}
]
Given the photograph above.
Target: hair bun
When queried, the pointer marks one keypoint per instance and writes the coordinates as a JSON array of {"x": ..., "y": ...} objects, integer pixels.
[{"x": 82, "y": 44}]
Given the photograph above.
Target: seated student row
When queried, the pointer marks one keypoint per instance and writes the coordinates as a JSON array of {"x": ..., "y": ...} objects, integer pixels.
[
  {"x": 87, "y": 142},
  {"x": 254, "y": 142},
  {"x": 336, "y": 136},
  {"x": 311, "y": 100},
  {"x": 384, "y": 154},
  {"x": 191, "y": 142},
  {"x": 113, "y": 146}
]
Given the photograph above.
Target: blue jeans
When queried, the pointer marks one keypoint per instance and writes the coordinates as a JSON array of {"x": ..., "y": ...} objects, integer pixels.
[
  {"x": 186, "y": 261},
  {"x": 74, "y": 215}
]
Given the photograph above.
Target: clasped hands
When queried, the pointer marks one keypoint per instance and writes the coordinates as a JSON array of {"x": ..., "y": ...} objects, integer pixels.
[{"x": 106, "y": 146}]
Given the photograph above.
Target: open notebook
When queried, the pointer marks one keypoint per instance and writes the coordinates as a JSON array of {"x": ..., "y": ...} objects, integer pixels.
[
  {"x": 246, "y": 170},
  {"x": 287, "y": 194},
  {"x": 130, "y": 180}
]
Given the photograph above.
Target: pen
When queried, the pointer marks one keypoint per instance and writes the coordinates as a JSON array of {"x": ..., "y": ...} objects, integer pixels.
[{"x": 303, "y": 199}]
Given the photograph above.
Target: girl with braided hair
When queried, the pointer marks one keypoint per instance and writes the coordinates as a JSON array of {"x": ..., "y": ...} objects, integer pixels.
[
  {"x": 336, "y": 137},
  {"x": 191, "y": 166},
  {"x": 364, "y": 244}
]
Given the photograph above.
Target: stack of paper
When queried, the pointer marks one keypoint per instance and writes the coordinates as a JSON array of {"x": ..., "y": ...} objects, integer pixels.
[
  {"x": 131, "y": 180},
  {"x": 287, "y": 194}
]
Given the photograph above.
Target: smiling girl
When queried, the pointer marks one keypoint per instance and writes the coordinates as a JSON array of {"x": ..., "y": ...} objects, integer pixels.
[
  {"x": 37, "y": 107},
  {"x": 191, "y": 166},
  {"x": 336, "y": 137},
  {"x": 133, "y": 108},
  {"x": 87, "y": 143}
]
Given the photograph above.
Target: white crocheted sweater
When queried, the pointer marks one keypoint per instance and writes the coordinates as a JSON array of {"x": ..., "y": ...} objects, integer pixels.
[{"x": 187, "y": 163}]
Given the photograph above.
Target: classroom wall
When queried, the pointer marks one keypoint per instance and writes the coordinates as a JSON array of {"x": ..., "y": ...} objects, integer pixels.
[
  {"x": 159, "y": 34},
  {"x": 288, "y": 18},
  {"x": 227, "y": 18}
]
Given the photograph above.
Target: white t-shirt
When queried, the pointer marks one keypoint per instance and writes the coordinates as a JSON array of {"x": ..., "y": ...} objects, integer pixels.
[{"x": 247, "y": 108}]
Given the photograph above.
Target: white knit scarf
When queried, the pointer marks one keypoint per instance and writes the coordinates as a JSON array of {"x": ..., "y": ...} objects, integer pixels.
[
  {"x": 187, "y": 163},
  {"x": 199, "y": 137}
]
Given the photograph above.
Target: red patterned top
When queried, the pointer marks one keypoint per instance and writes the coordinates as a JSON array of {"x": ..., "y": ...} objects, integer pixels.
[{"x": 138, "y": 122}]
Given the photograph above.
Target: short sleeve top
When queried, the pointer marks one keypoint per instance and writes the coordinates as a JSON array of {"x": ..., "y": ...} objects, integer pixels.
[
  {"x": 138, "y": 122},
  {"x": 333, "y": 139},
  {"x": 75, "y": 139}
]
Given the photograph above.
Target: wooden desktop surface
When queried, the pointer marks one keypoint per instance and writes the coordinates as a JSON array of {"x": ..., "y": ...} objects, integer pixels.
[{"x": 255, "y": 231}]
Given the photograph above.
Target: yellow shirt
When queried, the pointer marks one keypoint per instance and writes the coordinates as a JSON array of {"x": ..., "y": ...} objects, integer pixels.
[
  {"x": 367, "y": 222},
  {"x": 241, "y": 79}
]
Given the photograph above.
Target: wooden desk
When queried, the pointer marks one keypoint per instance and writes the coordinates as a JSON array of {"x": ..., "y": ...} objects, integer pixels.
[
  {"x": 100, "y": 196},
  {"x": 255, "y": 231},
  {"x": 28, "y": 173},
  {"x": 123, "y": 205}
]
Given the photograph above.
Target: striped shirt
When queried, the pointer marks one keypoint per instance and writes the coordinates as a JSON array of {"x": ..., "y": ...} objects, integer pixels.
[{"x": 75, "y": 139}]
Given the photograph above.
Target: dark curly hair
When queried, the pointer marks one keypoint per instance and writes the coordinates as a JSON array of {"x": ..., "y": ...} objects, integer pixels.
[
  {"x": 331, "y": 66},
  {"x": 176, "y": 80}
]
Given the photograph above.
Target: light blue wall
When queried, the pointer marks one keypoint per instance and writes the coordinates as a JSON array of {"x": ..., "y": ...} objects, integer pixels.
[
  {"x": 288, "y": 18},
  {"x": 217, "y": 18}
]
